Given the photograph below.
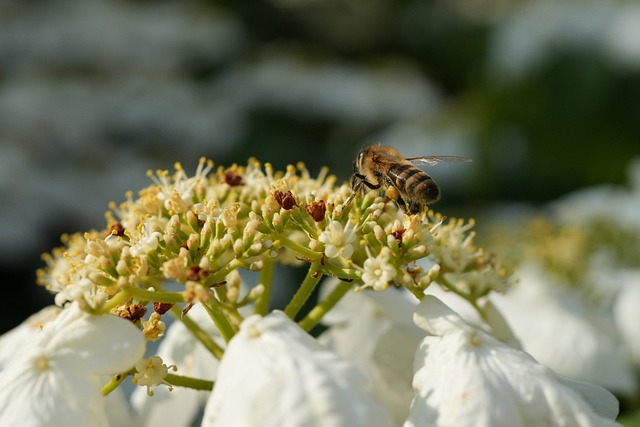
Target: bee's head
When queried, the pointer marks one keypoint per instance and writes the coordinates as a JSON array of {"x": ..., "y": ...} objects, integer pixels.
[{"x": 358, "y": 163}]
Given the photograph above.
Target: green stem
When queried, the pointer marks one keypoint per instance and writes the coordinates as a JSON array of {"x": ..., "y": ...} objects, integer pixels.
[
  {"x": 449, "y": 286},
  {"x": 143, "y": 295},
  {"x": 233, "y": 315},
  {"x": 222, "y": 323},
  {"x": 117, "y": 300},
  {"x": 221, "y": 274},
  {"x": 300, "y": 219},
  {"x": 189, "y": 382},
  {"x": 115, "y": 382},
  {"x": 342, "y": 273},
  {"x": 316, "y": 314},
  {"x": 304, "y": 291},
  {"x": 156, "y": 296},
  {"x": 266, "y": 280},
  {"x": 300, "y": 250},
  {"x": 417, "y": 292},
  {"x": 198, "y": 333}
]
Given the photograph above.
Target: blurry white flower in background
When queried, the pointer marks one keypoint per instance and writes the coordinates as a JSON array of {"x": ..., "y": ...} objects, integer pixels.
[
  {"x": 465, "y": 377},
  {"x": 273, "y": 374},
  {"x": 617, "y": 204},
  {"x": 626, "y": 312},
  {"x": 527, "y": 35},
  {"x": 620, "y": 43},
  {"x": 284, "y": 80},
  {"x": 56, "y": 378},
  {"x": 557, "y": 327}
]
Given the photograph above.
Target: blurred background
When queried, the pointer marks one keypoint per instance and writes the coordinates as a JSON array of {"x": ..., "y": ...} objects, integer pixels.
[{"x": 544, "y": 96}]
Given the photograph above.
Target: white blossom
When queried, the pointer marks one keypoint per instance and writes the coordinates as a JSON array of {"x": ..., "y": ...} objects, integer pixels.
[
  {"x": 338, "y": 240},
  {"x": 179, "y": 407},
  {"x": 378, "y": 272},
  {"x": 151, "y": 372},
  {"x": 56, "y": 380},
  {"x": 466, "y": 377},
  {"x": 273, "y": 374}
]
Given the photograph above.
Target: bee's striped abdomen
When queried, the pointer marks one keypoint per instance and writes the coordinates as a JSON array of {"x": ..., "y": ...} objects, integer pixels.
[
  {"x": 416, "y": 184},
  {"x": 405, "y": 176}
]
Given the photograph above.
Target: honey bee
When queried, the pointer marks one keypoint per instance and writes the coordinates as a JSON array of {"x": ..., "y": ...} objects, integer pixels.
[{"x": 380, "y": 167}]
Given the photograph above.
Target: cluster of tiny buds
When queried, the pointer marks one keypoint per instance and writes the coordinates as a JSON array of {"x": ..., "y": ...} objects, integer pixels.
[{"x": 200, "y": 230}]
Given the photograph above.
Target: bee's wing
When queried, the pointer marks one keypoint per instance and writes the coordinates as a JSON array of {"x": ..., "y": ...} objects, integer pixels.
[{"x": 434, "y": 160}]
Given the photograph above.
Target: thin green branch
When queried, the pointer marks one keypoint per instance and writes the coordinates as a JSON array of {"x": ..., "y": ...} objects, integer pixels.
[
  {"x": 117, "y": 300},
  {"x": 115, "y": 381},
  {"x": 198, "y": 333},
  {"x": 221, "y": 321},
  {"x": 300, "y": 250},
  {"x": 156, "y": 296},
  {"x": 304, "y": 291},
  {"x": 416, "y": 291},
  {"x": 221, "y": 274},
  {"x": 189, "y": 382},
  {"x": 266, "y": 280},
  {"x": 316, "y": 314}
]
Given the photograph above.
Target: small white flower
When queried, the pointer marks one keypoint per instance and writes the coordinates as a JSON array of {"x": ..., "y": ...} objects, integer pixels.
[
  {"x": 465, "y": 377},
  {"x": 56, "y": 381},
  {"x": 338, "y": 240},
  {"x": 179, "y": 347},
  {"x": 147, "y": 240},
  {"x": 378, "y": 272},
  {"x": 151, "y": 372},
  {"x": 273, "y": 374}
]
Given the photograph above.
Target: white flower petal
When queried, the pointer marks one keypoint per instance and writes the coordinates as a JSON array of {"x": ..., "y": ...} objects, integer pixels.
[
  {"x": 273, "y": 374},
  {"x": 97, "y": 344},
  {"x": 30, "y": 397},
  {"x": 465, "y": 377},
  {"x": 56, "y": 381},
  {"x": 13, "y": 343},
  {"x": 375, "y": 330},
  {"x": 600, "y": 399},
  {"x": 119, "y": 413},
  {"x": 332, "y": 251}
]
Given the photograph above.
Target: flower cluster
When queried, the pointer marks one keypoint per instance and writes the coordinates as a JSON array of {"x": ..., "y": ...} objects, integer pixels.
[
  {"x": 178, "y": 249},
  {"x": 198, "y": 230}
]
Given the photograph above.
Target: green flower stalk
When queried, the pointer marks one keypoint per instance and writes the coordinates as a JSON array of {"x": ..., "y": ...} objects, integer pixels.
[{"x": 199, "y": 231}]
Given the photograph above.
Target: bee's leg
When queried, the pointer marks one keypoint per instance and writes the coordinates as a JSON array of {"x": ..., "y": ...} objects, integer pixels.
[
  {"x": 414, "y": 208},
  {"x": 410, "y": 207},
  {"x": 357, "y": 181},
  {"x": 370, "y": 185},
  {"x": 402, "y": 205}
]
